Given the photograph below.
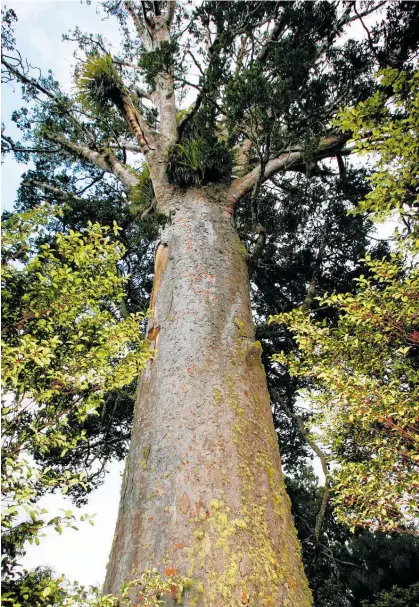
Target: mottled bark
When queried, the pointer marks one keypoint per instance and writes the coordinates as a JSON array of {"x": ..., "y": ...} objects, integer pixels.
[{"x": 203, "y": 491}]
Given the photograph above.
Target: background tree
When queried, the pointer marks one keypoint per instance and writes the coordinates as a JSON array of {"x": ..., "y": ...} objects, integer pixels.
[
  {"x": 365, "y": 368},
  {"x": 64, "y": 347}
]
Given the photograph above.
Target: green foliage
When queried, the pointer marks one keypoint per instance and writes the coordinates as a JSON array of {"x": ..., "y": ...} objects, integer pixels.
[
  {"x": 162, "y": 60},
  {"x": 366, "y": 393},
  {"x": 286, "y": 100},
  {"x": 346, "y": 568},
  {"x": 364, "y": 369},
  {"x": 99, "y": 83},
  {"x": 65, "y": 347},
  {"x": 396, "y": 597},
  {"x": 196, "y": 162},
  {"x": 387, "y": 124},
  {"x": 151, "y": 589},
  {"x": 142, "y": 194},
  {"x": 39, "y": 588}
]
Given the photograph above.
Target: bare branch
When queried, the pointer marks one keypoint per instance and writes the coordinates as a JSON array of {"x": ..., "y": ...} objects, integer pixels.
[
  {"x": 92, "y": 183},
  {"x": 141, "y": 30},
  {"x": 104, "y": 160},
  {"x": 47, "y": 188},
  {"x": 27, "y": 80},
  {"x": 357, "y": 15},
  {"x": 276, "y": 32},
  {"x": 320, "y": 454},
  {"x": 292, "y": 159},
  {"x": 171, "y": 9},
  {"x": 257, "y": 249},
  {"x": 37, "y": 150},
  {"x": 149, "y": 21}
]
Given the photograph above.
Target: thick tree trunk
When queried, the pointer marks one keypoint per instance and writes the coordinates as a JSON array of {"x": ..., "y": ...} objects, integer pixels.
[{"x": 203, "y": 492}]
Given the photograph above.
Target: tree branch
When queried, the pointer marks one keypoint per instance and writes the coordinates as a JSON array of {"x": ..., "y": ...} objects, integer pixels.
[
  {"x": 130, "y": 147},
  {"x": 320, "y": 454},
  {"x": 141, "y": 30},
  {"x": 276, "y": 32},
  {"x": 15, "y": 148},
  {"x": 104, "y": 160},
  {"x": 46, "y": 187},
  {"x": 293, "y": 159},
  {"x": 171, "y": 9},
  {"x": 29, "y": 81},
  {"x": 358, "y": 15}
]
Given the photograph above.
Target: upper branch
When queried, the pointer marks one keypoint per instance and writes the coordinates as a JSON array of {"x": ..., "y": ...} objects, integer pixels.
[
  {"x": 17, "y": 148},
  {"x": 293, "y": 159},
  {"x": 347, "y": 19},
  {"x": 105, "y": 160},
  {"x": 139, "y": 26},
  {"x": 24, "y": 79},
  {"x": 171, "y": 9},
  {"x": 57, "y": 192}
]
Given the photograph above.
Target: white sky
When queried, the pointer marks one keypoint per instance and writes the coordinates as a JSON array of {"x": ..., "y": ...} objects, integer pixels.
[{"x": 79, "y": 555}]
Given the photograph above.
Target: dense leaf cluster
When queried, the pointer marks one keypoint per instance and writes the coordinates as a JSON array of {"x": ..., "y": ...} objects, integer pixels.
[{"x": 65, "y": 346}]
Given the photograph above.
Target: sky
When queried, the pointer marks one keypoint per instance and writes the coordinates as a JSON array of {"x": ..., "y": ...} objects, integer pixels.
[{"x": 79, "y": 555}]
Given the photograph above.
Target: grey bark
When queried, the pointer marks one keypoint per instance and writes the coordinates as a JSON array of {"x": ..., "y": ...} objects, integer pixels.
[{"x": 203, "y": 492}]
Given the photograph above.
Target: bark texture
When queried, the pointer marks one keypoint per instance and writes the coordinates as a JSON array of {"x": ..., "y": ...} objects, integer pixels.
[{"x": 203, "y": 492}]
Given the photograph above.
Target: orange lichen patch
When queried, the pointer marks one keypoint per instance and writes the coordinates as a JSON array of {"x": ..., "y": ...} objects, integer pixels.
[
  {"x": 174, "y": 591},
  {"x": 179, "y": 546},
  {"x": 184, "y": 503},
  {"x": 170, "y": 571},
  {"x": 153, "y": 333}
]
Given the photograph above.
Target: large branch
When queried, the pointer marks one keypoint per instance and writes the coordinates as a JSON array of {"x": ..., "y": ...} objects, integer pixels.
[
  {"x": 104, "y": 160},
  {"x": 276, "y": 32},
  {"x": 291, "y": 160},
  {"x": 152, "y": 32},
  {"x": 171, "y": 8},
  {"x": 139, "y": 26}
]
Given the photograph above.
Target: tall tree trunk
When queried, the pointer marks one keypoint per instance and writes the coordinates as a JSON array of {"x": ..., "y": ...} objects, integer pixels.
[{"x": 203, "y": 492}]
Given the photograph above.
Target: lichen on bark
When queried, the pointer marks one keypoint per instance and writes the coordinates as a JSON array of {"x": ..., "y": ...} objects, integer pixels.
[{"x": 209, "y": 500}]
